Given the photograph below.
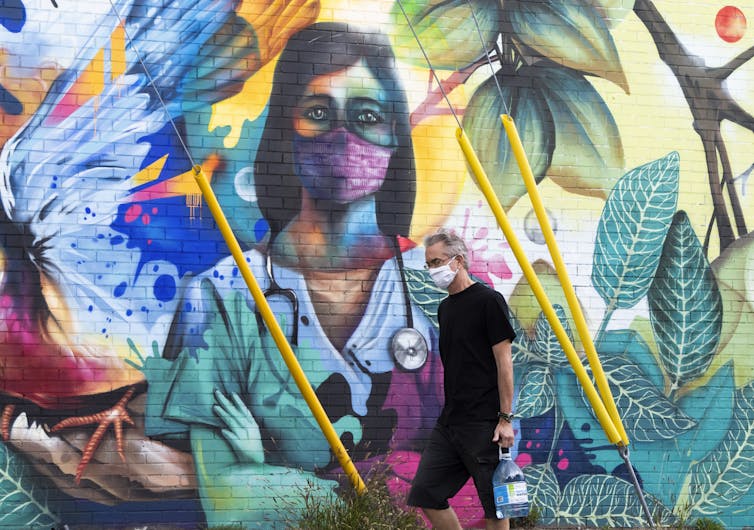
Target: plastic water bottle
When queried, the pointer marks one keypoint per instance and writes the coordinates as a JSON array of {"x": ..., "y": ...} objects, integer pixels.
[{"x": 509, "y": 487}]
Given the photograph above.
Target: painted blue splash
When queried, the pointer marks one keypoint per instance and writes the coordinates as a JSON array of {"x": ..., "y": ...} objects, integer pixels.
[
  {"x": 192, "y": 245},
  {"x": 12, "y": 15},
  {"x": 164, "y": 288}
]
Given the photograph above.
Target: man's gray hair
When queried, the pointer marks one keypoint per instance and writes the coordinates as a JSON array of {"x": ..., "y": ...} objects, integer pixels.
[{"x": 454, "y": 245}]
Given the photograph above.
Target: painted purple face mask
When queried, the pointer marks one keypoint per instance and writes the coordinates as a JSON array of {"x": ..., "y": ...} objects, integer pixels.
[{"x": 339, "y": 166}]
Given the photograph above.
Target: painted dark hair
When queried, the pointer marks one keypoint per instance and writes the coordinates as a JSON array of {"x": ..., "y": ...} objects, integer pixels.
[{"x": 322, "y": 49}]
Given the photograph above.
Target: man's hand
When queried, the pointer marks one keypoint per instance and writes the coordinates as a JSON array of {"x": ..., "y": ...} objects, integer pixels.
[
  {"x": 504, "y": 436},
  {"x": 242, "y": 431}
]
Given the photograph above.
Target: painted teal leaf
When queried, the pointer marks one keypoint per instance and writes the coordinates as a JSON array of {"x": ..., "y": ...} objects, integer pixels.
[
  {"x": 446, "y": 29},
  {"x": 647, "y": 414},
  {"x": 726, "y": 474},
  {"x": 629, "y": 343},
  {"x": 547, "y": 344},
  {"x": 712, "y": 405},
  {"x": 606, "y": 500},
  {"x": 424, "y": 293},
  {"x": 524, "y": 349},
  {"x": 685, "y": 306},
  {"x": 631, "y": 231},
  {"x": 22, "y": 500},
  {"x": 613, "y": 11},
  {"x": 533, "y": 121},
  {"x": 543, "y": 489},
  {"x": 588, "y": 155},
  {"x": 569, "y": 32},
  {"x": 536, "y": 395}
]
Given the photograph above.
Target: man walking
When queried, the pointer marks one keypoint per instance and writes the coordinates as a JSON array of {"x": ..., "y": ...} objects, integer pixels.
[{"x": 475, "y": 348}]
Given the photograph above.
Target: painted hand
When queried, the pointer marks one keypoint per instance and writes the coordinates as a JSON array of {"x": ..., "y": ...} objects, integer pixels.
[
  {"x": 276, "y": 20},
  {"x": 242, "y": 431}
]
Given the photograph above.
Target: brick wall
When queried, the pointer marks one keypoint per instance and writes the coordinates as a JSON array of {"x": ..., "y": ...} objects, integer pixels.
[{"x": 140, "y": 383}]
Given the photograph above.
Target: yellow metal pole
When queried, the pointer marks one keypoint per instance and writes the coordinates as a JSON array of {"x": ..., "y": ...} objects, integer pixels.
[
  {"x": 277, "y": 333},
  {"x": 560, "y": 268},
  {"x": 531, "y": 276}
]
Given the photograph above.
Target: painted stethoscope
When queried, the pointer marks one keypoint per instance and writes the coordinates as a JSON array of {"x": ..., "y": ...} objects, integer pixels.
[{"x": 408, "y": 347}]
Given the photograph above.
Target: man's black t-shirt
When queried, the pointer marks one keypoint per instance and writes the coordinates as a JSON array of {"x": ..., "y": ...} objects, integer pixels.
[{"x": 471, "y": 322}]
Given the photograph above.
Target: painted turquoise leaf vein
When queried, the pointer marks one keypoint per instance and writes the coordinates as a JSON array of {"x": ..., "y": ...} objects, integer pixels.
[
  {"x": 631, "y": 231},
  {"x": 547, "y": 344},
  {"x": 606, "y": 500},
  {"x": 537, "y": 393},
  {"x": 726, "y": 474},
  {"x": 20, "y": 503},
  {"x": 543, "y": 490},
  {"x": 685, "y": 306},
  {"x": 647, "y": 414}
]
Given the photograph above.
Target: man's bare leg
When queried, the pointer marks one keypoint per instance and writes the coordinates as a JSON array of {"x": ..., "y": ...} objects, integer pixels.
[
  {"x": 497, "y": 524},
  {"x": 442, "y": 519}
]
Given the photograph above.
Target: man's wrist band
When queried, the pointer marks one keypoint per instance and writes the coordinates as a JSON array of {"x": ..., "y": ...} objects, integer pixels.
[{"x": 507, "y": 416}]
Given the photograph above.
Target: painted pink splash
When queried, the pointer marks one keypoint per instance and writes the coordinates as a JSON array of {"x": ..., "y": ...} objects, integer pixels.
[{"x": 486, "y": 256}]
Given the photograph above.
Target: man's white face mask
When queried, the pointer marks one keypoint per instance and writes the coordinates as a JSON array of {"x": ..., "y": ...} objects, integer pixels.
[{"x": 443, "y": 275}]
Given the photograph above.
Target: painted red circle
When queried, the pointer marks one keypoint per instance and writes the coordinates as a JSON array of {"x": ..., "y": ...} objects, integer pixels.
[{"x": 730, "y": 24}]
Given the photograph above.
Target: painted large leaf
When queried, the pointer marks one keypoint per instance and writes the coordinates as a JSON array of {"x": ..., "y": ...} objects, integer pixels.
[
  {"x": 482, "y": 124},
  {"x": 537, "y": 391},
  {"x": 712, "y": 405},
  {"x": 613, "y": 11},
  {"x": 685, "y": 306},
  {"x": 446, "y": 29},
  {"x": 726, "y": 474},
  {"x": 22, "y": 504},
  {"x": 543, "y": 489},
  {"x": 605, "y": 500},
  {"x": 647, "y": 414},
  {"x": 588, "y": 155},
  {"x": 570, "y": 32},
  {"x": 632, "y": 230},
  {"x": 524, "y": 347},
  {"x": 424, "y": 293},
  {"x": 548, "y": 346}
]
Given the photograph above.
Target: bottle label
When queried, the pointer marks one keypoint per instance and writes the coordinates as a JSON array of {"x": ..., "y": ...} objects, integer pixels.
[{"x": 511, "y": 493}]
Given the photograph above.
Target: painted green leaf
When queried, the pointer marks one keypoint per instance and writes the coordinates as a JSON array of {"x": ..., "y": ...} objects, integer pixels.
[
  {"x": 572, "y": 33},
  {"x": 712, "y": 405},
  {"x": 726, "y": 474},
  {"x": 613, "y": 11},
  {"x": 606, "y": 500},
  {"x": 447, "y": 31},
  {"x": 482, "y": 124},
  {"x": 543, "y": 489},
  {"x": 588, "y": 155},
  {"x": 537, "y": 391},
  {"x": 685, "y": 306},
  {"x": 523, "y": 349},
  {"x": 647, "y": 414},
  {"x": 632, "y": 230},
  {"x": 547, "y": 343},
  {"x": 424, "y": 293},
  {"x": 630, "y": 344},
  {"x": 22, "y": 502}
]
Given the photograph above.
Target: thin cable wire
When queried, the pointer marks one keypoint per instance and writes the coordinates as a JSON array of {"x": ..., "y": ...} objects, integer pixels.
[
  {"x": 154, "y": 87},
  {"x": 429, "y": 63},
  {"x": 487, "y": 55}
]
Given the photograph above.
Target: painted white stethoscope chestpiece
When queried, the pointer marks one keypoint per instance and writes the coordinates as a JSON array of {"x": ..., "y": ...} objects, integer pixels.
[{"x": 409, "y": 349}]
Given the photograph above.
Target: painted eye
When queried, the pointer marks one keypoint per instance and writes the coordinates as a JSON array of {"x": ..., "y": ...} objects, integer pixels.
[
  {"x": 317, "y": 113},
  {"x": 370, "y": 117}
]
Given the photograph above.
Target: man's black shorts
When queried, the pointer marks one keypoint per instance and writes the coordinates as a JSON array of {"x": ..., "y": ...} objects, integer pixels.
[{"x": 452, "y": 455}]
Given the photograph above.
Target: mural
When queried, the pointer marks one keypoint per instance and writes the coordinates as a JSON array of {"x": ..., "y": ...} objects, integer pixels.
[{"x": 329, "y": 143}]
